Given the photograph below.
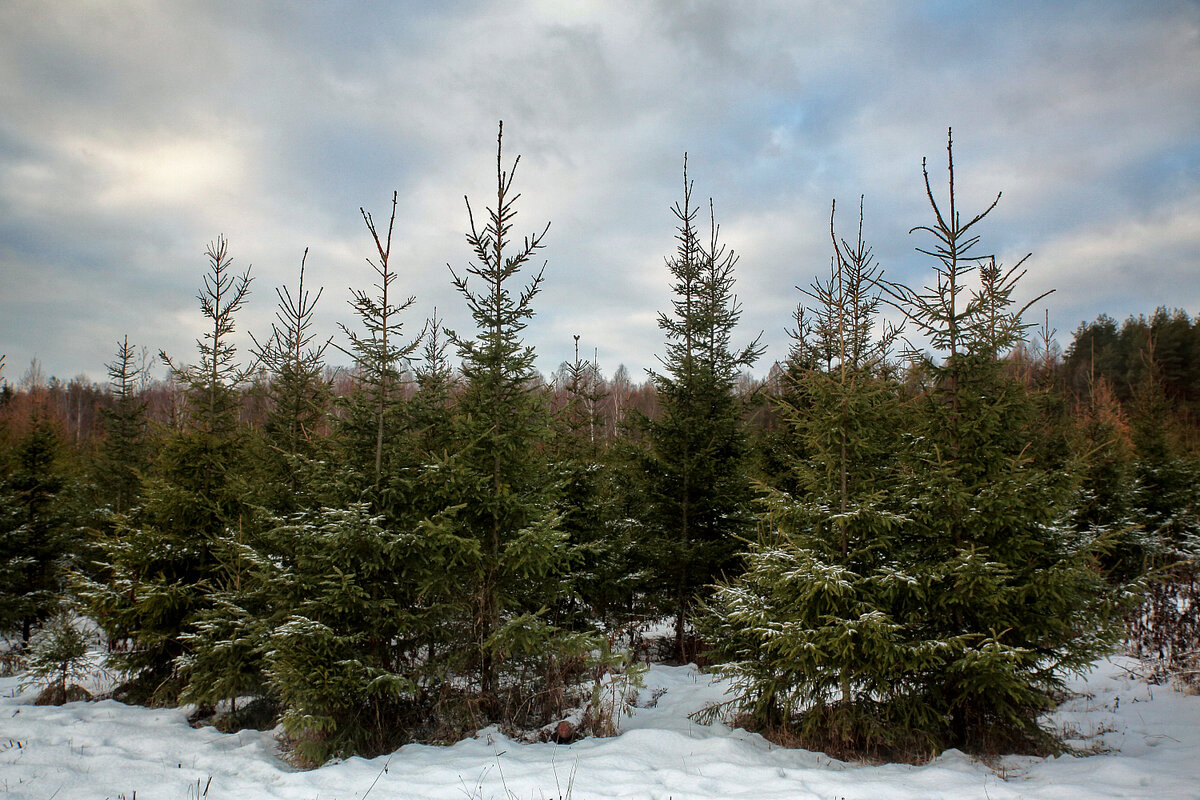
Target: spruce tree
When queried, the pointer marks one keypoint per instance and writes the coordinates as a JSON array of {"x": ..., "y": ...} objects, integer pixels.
[
  {"x": 430, "y": 413},
  {"x": 1009, "y": 589},
  {"x": 124, "y": 454},
  {"x": 164, "y": 564},
  {"x": 519, "y": 552},
  {"x": 37, "y": 536},
  {"x": 1166, "y": 500},
  {"x": 697, "y": 487},
  {"x": 606, "y": 576},
  {"x": 380, "y": 354},
  {"x": 813, "y": 633},
  {"x": 346, "y": 594},
  {"x": 299, "y": 396},
  {"x": 294, "y": 360}
]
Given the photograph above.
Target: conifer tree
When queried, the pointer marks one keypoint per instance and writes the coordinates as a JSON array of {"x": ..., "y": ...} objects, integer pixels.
[
  {"x": 697, "y": 489},
  {"x": 294, "y": 360},
  {"x": 1166, "y": 500},
  {"x": 163, "y": 564},
  {"x": 37, "y": 537},
  {"x": 1105, "y": 466},
  {"x": 299, "y": 396},
  {"x": 346, "y": 594},
  {"x": 606, "y": 576},
  {"x": 813, "y": 632},
  {"x": 1010, "y": 591},
  {"x": 430, "y": 414},
  {"x": 124, "y": 454},
  {"x": 519, "y": 550}
]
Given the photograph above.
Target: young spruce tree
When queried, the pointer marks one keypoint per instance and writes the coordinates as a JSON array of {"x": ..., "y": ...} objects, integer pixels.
[
  {"x": 124, "y": 454},
  {"x": 162, "y": 564},
  {"x": 380, "y": 356},
  {"x": 1009, "y": 589},
  {"x": 697, "y": 485},
  {"x": 512, "y": 573},
  {"x": 813, "y": 632}
]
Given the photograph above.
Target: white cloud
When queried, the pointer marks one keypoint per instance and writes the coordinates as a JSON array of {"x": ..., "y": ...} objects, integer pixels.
[{"x": 137, "y": 134}]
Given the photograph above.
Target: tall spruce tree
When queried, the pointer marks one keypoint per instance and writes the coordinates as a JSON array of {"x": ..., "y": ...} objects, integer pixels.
[
  {"x": 518, "y": 553},
  {"x": 697, "y": 487},
  {"x": 163, "y": 563},
  {"x": 1009, "y": 589},
  {"x": 813, "y": 632}
]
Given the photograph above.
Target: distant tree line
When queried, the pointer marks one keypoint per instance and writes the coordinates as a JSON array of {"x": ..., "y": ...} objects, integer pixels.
[{"x": 889, "y": 550}]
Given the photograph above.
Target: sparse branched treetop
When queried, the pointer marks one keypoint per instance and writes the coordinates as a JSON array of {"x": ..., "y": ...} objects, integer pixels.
[
  {"x": 296, "y": 364},
  {"x": 210, "y": 383},
  {"x": 497, "y": 354},
  {"x": 986, "y": 323},
  {"x": 380, "y": 354},
  {"x": 840, "y": 328}
]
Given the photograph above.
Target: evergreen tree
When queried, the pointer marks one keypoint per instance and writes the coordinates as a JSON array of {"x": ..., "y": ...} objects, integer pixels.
[
  {"x": 1009, "y": 589},
  {"x": 37, "y": 535},
  {"x": 430, "y": 414},
  {"x": 124, "y": 454},
  {"x": 1166, "y": 500},
  {"x": 426, "y": 437},
  {"x": 813, "y": 633},
  {"x": 349, "y": 611},
  {"x": 298, "y": 390},
  {"x": 1105, "y": 466},
  {"x": 164, "y": 565},
  {"x": 606, "y": 576},
  {"x": 697, "y": 487},
  {"x": 519, "y": 553},
  {"x": 299, "y": 395}
]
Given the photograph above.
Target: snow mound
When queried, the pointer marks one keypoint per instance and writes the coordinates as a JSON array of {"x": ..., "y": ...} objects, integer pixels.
[{"x": 1145, "y": 742}]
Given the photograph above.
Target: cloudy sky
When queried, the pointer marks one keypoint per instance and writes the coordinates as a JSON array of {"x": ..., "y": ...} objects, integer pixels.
[{"x": 132, "y": 134}]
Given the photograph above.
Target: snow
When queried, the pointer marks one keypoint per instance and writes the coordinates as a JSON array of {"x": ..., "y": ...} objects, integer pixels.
[{"x": 1145, "y": 740}]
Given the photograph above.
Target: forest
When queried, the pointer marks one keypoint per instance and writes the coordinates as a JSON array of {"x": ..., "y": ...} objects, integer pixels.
[{"x": 902, "y": 539}]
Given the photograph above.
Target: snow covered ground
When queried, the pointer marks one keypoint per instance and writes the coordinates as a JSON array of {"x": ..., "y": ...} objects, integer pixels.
[{"x": 1146, "y": 739}]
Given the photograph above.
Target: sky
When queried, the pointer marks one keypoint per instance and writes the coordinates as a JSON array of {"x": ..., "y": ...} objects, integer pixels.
[{"x": 134, "y": 134}]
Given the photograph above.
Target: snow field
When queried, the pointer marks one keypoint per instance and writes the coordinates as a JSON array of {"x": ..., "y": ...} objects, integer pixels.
[{"x": 1146, "y": 741}]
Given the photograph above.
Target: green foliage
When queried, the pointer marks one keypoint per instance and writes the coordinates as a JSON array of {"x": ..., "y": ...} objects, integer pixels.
[
  {"x": 503, "y": 501},
  {"x": 298, "y": 391},
  {"x": 379, "y": 354},
  {"x": 58, "y": 655},
  {"x": 1118, "y": 354},
  {"x": 209, "y": 385},
  {"x": 815, "y": 632},
  {"x": 1166, "y": 500},
  {"x": 347, "y": 651},
  {"x": 124, "y": 454},
  {"x": 589, "y": 502},
  {"x": 162, "y": 563},
  {"x": 1003, "y": 575},
  {"x": 696, "y": 487},
  {"x": 38, "y": 535}
]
